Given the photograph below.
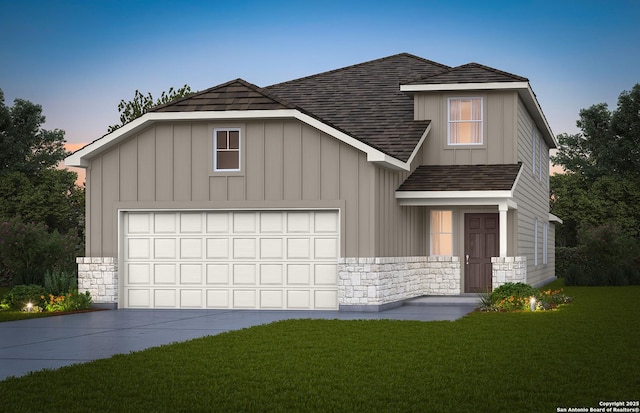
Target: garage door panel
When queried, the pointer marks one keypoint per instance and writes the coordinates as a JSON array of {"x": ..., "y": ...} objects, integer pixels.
[
  {"x": 244, "y": 298},
  {"x": 217, "y": 273},
  {"x": 139, "y": 297},
  {"x": 298, "y": 248},
  {"x": 190, "y": 248},
  {"x": 190, "y": 298},
  {"x": 271, "y": 222},
  {"x": 164, "y": 273},
  {"x": 244, "y": 248},
  {"x": 218, "y": 298},
  {"x": 164, "y": 248},
  {"x": 190, "y": 273},
  {"x": 298, "y": 274},
  {"x": 139, "y": 273},
  {"x": 164, "y": 298},
  {"x": 138, "y": 248},
  {"x": 244, "y": 274},
  {"x": 299, "y": 299},
  {"x": 190, "y": 223},
  {"x": 218, "y": 248},
  {"x": 231, "y": 259},
  {"x": 164, "y": 223},
  {"x": 271, "y": 274},
  {"x": 326, "y": 274},
  {"x": 271, "y": 299}
]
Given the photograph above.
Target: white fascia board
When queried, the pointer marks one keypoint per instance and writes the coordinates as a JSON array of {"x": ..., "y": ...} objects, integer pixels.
[
  {"x": 553, "y": 218},
  {"x": 541, "y": 118},
  {"x": 454, "y": 194},
  {"x": 80, "y": 157},
  {"x": 515, "y": 181},
  {"x": 470, "y": 202},
  {"x": 463, "y": 86},
  {"x": 419, "y": 145}
]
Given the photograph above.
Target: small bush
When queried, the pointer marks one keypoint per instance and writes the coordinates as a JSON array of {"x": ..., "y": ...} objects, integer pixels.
[
  {"x": 59, "y": 282},
  {"x": 573, "y": 275},
  {"x": 21, "y": 295},
  {"x": 72, "y": 301},
  {"x": 517, "y": 297}
]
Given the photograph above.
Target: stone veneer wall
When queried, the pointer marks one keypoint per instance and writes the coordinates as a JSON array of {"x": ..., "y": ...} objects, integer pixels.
[
  {"x": 99, "y": 276},
  {"x": 508, "y": 269},
  {"x": 377, "y": 281}
]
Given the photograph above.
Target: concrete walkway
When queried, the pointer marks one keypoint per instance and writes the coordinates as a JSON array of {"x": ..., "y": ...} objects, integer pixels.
[{"x": 53, "y": 342}]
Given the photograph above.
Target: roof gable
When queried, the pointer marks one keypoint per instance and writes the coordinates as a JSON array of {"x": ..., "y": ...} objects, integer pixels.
[
  {"x": 470, "y": 73},
  {"x": 237, "y": 94}
]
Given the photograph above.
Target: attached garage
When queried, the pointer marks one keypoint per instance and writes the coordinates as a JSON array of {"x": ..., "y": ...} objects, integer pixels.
[{"x": 269, "y": 259}]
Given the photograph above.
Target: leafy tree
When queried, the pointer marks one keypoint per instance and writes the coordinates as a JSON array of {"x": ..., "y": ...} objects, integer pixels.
[
  {"x": 602, "y": 183},
  {"x": 609, "y": 143},
  {"x": 24, "y": 146},
  {"x": 140, "y": 104}
]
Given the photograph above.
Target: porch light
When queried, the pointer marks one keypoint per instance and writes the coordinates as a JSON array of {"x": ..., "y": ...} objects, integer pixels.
[
  {"x": 532, "y": 303},
  {"x": 29, "y": 306}
]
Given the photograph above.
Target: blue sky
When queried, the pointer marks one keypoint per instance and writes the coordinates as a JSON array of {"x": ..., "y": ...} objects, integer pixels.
[{"x": 78, "y": 59}]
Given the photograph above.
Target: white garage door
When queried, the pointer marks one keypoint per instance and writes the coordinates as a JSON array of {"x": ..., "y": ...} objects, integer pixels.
[{"x": 231, "y": 259}]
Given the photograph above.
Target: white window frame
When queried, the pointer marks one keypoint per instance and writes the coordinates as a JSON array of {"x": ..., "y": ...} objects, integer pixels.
[
  {"x": 545, "y": 243},
  {"x": 541, "y": 156},
  {"x": 215, "y": 149},
  {"x": 535, "y": 242},
  {"x": 432, "y": 233},
  {"x": 480, "y": 121}
]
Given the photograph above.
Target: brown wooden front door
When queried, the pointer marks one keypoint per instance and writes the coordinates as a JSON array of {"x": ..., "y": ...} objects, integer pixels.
[{"x": 481, "y": 242}]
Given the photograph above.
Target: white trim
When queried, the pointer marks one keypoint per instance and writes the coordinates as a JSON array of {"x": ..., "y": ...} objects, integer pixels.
[
  {"x": 545, "y": 243},
  {"x": 215, "y": 149},
  {"x": 453, "y": 194},
  {"x": 535, "y": 242},
  {"x": 464, "y": 86},
  {"x": 81, "y": 157},
  {"x": 553, "y": 218},
  {"x": 480, "y": 121},
  {"x": 419, "y": 145},
  {"x": 442, "y": 202}
]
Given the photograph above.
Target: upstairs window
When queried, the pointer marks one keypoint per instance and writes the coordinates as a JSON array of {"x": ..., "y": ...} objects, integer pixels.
[
  {"x": 226, "y": 150},
  {"x": 465, "y": 121},
  {"x": 441, "y": 233}
]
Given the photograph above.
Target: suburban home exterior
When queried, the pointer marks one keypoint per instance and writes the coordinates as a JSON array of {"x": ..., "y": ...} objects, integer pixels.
[{"x": 350, "y": 189}]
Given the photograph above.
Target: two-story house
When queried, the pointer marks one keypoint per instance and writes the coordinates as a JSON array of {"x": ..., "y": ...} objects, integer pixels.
[{"x": 354, "y": 189}]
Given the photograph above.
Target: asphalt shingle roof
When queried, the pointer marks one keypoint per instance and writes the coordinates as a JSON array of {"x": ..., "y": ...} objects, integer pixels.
[
  {"x": 461, "y": 178},
  {"x": 469, "y": 73}
]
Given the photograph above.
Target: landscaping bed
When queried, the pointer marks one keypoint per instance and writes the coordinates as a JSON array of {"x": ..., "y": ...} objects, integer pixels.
[{"x": 574, "y": 356}]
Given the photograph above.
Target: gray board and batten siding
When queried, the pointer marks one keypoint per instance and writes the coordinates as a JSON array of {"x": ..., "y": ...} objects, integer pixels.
[{"x": 285, "y": 165}]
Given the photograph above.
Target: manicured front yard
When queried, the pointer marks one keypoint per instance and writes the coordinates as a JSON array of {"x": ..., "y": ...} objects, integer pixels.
[{"x": 576, "y": 356}]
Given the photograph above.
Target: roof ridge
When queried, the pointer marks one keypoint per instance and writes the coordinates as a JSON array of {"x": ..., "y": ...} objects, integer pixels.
[
  {"x": 340, "y": 69},
  {"x": 493, "y": 69}
]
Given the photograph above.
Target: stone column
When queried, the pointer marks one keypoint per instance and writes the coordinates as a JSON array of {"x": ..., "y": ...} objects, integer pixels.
[
  {"x": 508, "y": 269},
  {"x": 99, "y": 276}
]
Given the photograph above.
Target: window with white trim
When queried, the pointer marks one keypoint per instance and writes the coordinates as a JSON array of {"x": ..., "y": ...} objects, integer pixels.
[
  {"x": 541, "y": 159},
  {"x": 226, "y": 149},
  {"x": 465, "y": 121},
  {"x": 441, "y": 233},
  {"x": 535, "y": 241},
  {"x": 545, "y": 230}
]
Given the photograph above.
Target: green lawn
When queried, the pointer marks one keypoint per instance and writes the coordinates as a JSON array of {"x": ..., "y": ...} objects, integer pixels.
[{"x": 576, "y": 356}]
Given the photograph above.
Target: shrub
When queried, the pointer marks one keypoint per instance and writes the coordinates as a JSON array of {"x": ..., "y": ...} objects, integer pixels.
[
  {"x": 59, "y": 282},
  {"x": 71, "y": 301},
  {"x": 566, "y": 257},
  {"x": 513, "y": 296},
  {"x": 28, "y": 250},
  {"x": 18, "y": 297},
  {"x": 574, "y": 275}
]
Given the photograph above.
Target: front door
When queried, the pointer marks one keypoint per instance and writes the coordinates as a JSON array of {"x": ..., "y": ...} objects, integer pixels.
[{"x": 481, "y": 242}]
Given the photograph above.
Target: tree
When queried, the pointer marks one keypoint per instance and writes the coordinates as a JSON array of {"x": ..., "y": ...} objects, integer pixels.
[
  {"x": 609, "y": 143},
  {"x": 140, "y": 104},
  {"x": 602, "y": 163},
  {"x": 24, "y": 146}
]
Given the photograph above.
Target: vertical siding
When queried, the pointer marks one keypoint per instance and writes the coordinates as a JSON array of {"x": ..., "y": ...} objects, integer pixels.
[
  {"x": 499, "y": 114},
  {"x": 532, "y": 196},
  {"x": 283, "y": 161}
]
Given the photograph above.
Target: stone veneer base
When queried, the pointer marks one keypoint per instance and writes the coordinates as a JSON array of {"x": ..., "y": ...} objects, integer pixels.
[
  {"x": 508, "y": 269},
  {"x": 99, "y": 276},
  {"x": 377, "y": 283}
]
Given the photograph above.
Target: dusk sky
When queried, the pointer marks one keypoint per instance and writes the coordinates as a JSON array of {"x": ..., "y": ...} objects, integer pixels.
[{"x": 78, "y": 59}]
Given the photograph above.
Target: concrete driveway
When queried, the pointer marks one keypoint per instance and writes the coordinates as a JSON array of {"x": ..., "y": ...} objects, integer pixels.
[{"x": 53, "y": 342}]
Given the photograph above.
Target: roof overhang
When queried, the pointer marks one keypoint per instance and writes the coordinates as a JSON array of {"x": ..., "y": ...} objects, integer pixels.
[
  {"x": 81, "y": 157},
  {"x": 553, "y": 218},
  {"x": 524, "y": 91}
]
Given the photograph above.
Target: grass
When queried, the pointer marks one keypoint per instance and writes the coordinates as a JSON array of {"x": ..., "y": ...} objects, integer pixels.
[{"x": 485, "y": 362}]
